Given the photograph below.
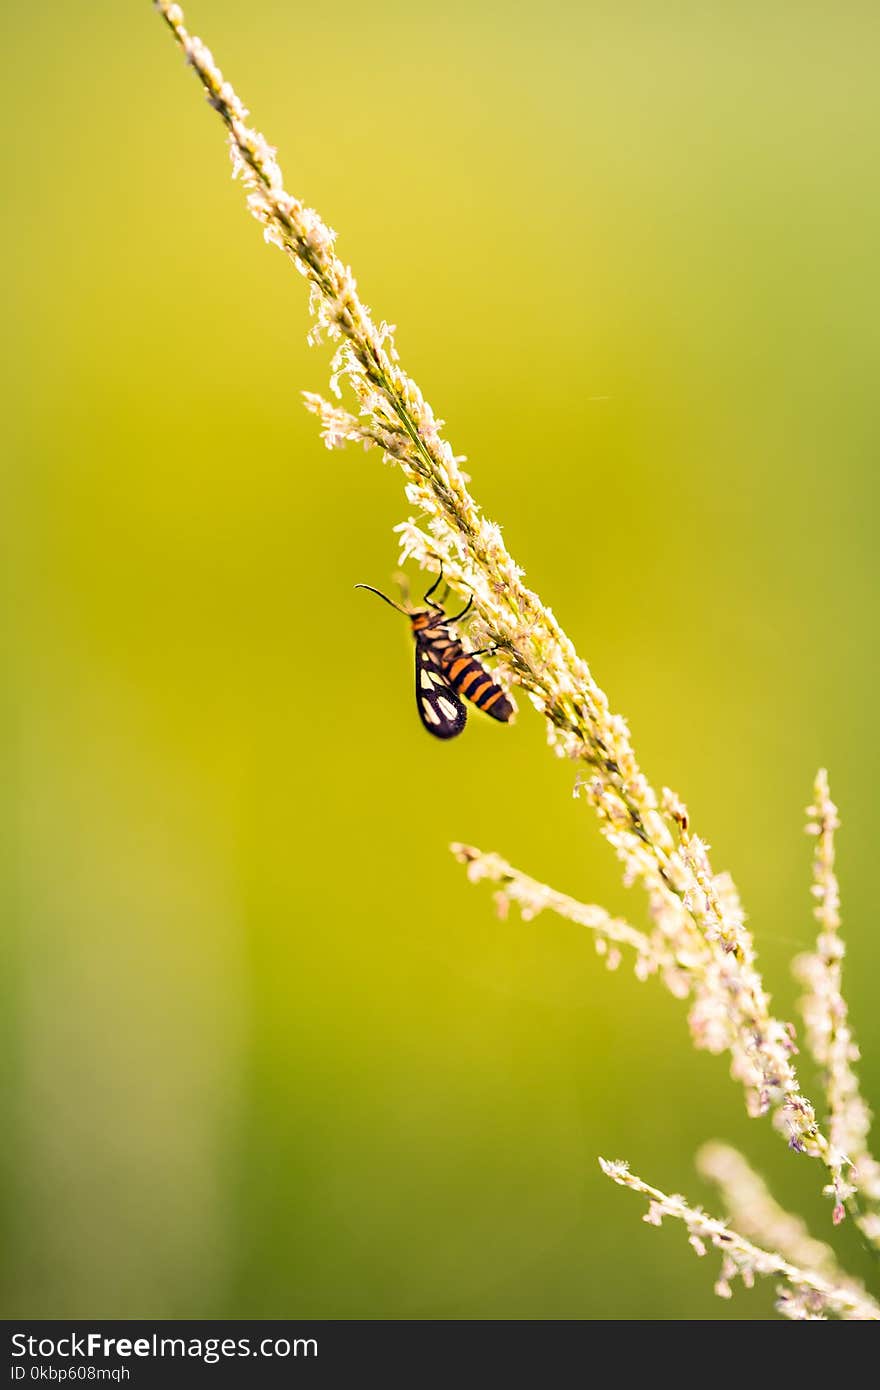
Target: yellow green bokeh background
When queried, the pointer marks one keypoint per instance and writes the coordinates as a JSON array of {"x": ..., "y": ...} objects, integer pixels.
[{"x": 266, "y": 1052}]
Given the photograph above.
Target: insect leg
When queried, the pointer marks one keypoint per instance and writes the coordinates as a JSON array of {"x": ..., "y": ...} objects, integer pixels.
[
  {"x": 458, "y": 616},
  {"x": 434, "y": 586}
]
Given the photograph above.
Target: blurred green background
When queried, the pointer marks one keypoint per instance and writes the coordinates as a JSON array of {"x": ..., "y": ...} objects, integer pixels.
[{"x": 265, "y": 1051}]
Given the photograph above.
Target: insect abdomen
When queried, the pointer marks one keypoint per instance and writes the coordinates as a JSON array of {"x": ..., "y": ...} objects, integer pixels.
[{"x": 470, "y": 678}]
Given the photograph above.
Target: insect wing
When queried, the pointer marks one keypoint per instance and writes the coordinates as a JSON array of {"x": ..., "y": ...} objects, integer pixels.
[{"x": 440, "y": 709}]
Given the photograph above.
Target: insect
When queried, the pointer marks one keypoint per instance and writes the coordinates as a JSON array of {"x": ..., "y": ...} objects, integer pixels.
[{"x": 445, "y": 671}]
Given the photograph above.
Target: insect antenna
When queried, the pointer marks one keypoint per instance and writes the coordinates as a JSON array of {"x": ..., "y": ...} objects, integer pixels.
[{"x": 391, "y": 604}]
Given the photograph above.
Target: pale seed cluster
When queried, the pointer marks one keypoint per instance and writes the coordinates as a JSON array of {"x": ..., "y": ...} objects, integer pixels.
[
  {"x": 754, "y": 1212},
  {"x": 854, "y": 1172},
  {"x": 804, "y": 1294}
]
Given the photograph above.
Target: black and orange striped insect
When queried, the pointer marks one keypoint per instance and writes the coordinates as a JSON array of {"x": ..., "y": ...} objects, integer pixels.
[{"x": 445, "y": 671}]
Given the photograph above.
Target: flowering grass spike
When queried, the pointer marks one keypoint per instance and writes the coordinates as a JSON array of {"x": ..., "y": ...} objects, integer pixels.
[
  {"x": 803, "y": 1294},
  {"x": 698, "y": 942}
]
